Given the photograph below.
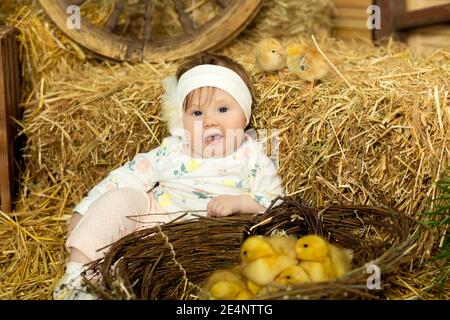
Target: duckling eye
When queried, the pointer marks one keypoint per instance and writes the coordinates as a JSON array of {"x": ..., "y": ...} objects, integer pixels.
[
  {"x": 244, "y": 253},
  {"x": 273, "y": 51},
  {"x": 305, "y": 245},
  {"x": 288, "y": 277}
]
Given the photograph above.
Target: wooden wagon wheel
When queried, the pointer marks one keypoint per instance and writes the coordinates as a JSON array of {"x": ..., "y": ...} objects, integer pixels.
[{"x": 234, "y": 16}]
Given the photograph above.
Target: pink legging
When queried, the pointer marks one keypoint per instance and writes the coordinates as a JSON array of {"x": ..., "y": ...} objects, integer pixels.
[{"x": 106, "y": 220}]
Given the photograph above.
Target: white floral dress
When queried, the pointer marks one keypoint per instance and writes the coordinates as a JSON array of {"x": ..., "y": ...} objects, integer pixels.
[{"x": 187, "y": 183}]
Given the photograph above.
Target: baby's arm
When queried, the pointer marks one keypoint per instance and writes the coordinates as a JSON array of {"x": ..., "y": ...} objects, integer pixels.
[
  {"x": 225, "y": 205},
  {"x": 249, "y": 205}
]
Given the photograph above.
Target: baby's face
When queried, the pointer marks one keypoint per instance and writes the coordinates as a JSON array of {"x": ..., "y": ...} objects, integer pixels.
[{"x": 214, "y": 123}]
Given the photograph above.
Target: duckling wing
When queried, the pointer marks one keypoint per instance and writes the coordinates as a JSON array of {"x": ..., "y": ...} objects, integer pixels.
[
  {"x": 315, "y": 270},
  {"x": 341, "y": 259},
  {"x": 265, "y": 270},
  {"x": 283, "y": 245},
  {"x": 226, "y": 290}
]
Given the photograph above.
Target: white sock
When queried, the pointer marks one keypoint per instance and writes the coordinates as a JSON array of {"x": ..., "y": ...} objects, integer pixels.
[
  {"x": 73, "y": 273},
  {"x": 71, "y": 280}
]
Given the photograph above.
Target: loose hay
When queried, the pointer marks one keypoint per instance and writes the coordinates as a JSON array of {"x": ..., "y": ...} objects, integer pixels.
[
  {"x": 172, "y": 261},
  {"x": 382, "y": 141}
]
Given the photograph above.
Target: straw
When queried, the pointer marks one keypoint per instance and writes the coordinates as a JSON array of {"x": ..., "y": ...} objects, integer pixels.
[{"x": 385, "y": 143}]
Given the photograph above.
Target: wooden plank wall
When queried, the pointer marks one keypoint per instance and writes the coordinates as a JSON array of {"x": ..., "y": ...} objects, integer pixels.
[
  {"x": 427, "y": 39},
  {"x": 350, "y": 18},
  {"x": 9, "y": 96}
]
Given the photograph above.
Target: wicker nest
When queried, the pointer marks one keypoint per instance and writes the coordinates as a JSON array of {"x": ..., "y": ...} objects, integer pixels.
[{"x": 171, "y": 261}]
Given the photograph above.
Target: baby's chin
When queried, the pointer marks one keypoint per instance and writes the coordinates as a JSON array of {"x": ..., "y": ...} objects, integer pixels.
[{"x": 216, "y": 151}]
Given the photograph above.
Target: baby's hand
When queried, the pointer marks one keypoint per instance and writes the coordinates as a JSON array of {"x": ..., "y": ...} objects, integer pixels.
[{"x": 224, "y": 205}]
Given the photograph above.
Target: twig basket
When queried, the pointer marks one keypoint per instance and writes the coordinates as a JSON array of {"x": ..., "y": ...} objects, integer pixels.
[{"x": 171, "y": 261}]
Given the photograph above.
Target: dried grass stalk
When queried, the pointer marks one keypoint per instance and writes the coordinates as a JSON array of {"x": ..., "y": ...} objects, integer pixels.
[{"x": 384, "y": 141}]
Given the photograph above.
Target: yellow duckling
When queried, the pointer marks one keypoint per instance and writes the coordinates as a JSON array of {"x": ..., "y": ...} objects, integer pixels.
[
  {"x": 316, "y": 271},
  {"x": 228, "y": 290},
  {"x": 225, "y": 284},
  {"x": 253, "y": 287},
  {"x": 335, "y": 261},
  {"x": 306, "y": 62},
  {"x": 270, "y": 56},
  {"x": 261, "y": 263},
  {"x": 292, "y": 275},
  {"x": 283, "y": 244}
]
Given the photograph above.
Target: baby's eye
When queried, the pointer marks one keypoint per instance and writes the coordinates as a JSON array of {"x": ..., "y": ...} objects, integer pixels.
[
  {"x": 196, "y": 113},
  {"x": 223, "y": 109}
]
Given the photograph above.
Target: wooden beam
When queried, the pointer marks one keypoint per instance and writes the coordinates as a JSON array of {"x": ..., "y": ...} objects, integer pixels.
[
  {"x": 9, "y": 97},
  {"x": 387, "y": 10},
  {"x": 423, "y": 17}
]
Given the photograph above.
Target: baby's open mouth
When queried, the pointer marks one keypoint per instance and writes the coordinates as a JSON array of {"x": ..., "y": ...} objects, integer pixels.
[{"x": 213, "y": 138}]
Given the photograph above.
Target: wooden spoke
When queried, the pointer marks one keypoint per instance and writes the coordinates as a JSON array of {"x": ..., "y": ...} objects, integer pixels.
[
  {"x": 113, "y": 19},
  {"x": 77, "y": 2},
  {"x": 221, "y": 3},
  {"x": 148, "y": 20},
  {"x": 184, "y": 18}
]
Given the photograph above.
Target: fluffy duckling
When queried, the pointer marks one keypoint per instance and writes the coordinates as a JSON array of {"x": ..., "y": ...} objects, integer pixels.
[
  {"x": 262, "y": 261},
  {"x": 283, "y": 244},
  {"x": 292, "y": 275},
  {"x": 316, "y": 271},
  {"x": 306, "y": 62},
  {"x": 335, "y": 261},
  {"x": 226, "y": 284},
  {"x": 270, "y": 56},
  {"x": 253, "y": 287},
  {"x": 228, "y": 290}
]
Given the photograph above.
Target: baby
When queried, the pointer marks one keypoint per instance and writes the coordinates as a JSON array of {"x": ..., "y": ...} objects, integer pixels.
[{"x": 207, "y": 163}]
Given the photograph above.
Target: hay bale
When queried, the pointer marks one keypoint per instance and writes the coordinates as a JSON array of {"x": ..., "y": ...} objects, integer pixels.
[
  {"x": 173, "y": 260},
  {"x": 382, "y": 140},
  {"x": 287, "y": 18}
]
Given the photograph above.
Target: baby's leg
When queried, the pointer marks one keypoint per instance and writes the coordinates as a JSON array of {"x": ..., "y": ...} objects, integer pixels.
[{"x": 105, "y": 222}]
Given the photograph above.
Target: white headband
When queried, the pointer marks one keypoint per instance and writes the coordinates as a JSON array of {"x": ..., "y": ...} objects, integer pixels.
[{"x": 202, "y": 76}]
